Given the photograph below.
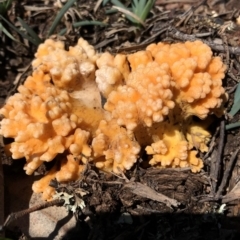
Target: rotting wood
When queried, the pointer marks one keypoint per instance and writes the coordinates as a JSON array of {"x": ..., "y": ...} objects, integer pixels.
[{"x": 234, "y": 193}]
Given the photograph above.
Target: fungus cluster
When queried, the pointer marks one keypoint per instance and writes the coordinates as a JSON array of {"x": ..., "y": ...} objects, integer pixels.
[{"x": 150, "y": 96}]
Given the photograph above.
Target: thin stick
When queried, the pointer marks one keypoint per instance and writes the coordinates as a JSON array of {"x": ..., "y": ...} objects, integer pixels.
[
  {"x": 99, "y": 2},
  {"x": 14, "y": 216},
  {"x": 174, "y": 33},
  {"x": 162, "y": 2},
  {"x": 215, "y": 165},
  {"x": 227, "y": 173}
]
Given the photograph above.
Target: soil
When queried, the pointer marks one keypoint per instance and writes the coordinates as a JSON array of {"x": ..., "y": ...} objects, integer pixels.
[{"x": 143, "y": 203}]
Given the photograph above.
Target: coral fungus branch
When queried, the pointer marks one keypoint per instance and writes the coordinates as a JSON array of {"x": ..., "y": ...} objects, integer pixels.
[{"x": 152, "y": 97}]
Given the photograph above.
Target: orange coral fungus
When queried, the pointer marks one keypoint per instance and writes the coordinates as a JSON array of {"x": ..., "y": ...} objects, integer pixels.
[
  {"x": 70, "y": 170},
  {"x": 46, "y": 120},
  {"x": 139, "y": 58},
  {"x": 198, "y": 75},
  {"x": 150, "y": 98},
  {"x": 119, "y": 149},
  {"x": 198, "y": 136},
  {"x": 68, "y": 69},
  {"x": 42, "y": 185},
  {"x": 42, "y": 126},
  {"x": 146, "y": 98},
  {"x": 171, "y": 149},
  {"x": 111, "y": 73}
]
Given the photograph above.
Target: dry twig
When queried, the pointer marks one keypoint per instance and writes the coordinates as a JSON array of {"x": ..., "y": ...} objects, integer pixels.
[
  {"x": 175, "y": 34},
  {"x": 14, "y": 216},
  {"x": 227, "y": 173},
  {"x": 216, "y": 162}
]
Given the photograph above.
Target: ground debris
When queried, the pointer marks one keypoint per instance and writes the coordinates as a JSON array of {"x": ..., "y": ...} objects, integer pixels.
[
  {"x": 160, "y": 202},
  {"x": 147, "y": 192}
]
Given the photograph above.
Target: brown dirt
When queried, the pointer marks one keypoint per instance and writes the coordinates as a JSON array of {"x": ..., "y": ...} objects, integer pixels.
[{"x": 115, "y": 209}]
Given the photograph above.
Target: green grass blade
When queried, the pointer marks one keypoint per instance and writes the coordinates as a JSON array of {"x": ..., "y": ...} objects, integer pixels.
[
  {"x": 9, "y": 2},
  {"x": 59, "y": 16},
  {"x": 104, "y": 2},
  {"x": 18, "y": 31},
  {"x": 237, "y": 93},
  {"x": 118, "y": 4},
  {"x": 5, "y": 31},
  {"x": 86, "y": 23},
  {"x": 135, "y": 7},
  {"x": 147, "y": 8},
  {"x": 235, "y": 108},
  {"x": 141, "y": 5},
  {"x": 83, "y": 23},
  {"x": 30, "y": 31},
  {"x": 236, "y": 104},
  {"x": 110, "y": 11},
  {"x": 4, "y": 6},
  {"x": 232, "y": 125},
  {"x": 135, "y": 3},
  {"x": 130, "y": 15}
]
